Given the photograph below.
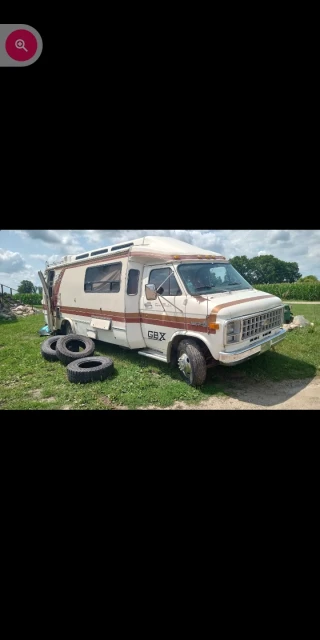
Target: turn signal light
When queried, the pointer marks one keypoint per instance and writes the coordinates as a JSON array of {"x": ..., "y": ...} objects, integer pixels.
[{"x": 214, "y": 325}]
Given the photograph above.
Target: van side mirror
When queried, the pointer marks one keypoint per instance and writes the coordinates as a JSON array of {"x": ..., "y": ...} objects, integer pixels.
[{"x": 151, "y": 292}]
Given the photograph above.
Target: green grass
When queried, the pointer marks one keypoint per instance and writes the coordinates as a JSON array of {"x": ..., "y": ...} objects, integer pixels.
[{"x": 27, "y": 381}]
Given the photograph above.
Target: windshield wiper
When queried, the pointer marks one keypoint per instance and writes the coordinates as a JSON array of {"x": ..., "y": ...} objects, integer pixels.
[
  {"x": 204, "y": 287},
  {"x": 232, "y": 283}
]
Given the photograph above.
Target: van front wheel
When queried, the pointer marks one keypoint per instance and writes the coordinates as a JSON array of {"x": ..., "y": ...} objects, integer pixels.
[{"x": 191, "y": 362}]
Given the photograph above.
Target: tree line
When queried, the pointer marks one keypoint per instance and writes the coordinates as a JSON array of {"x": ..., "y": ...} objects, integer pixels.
[
  {"x": 26, "y": 286},
  {"x": 269, "y": 270}
]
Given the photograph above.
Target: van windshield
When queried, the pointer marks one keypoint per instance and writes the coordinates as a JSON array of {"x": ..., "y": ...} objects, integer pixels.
[{"x": 211, "y": 278}]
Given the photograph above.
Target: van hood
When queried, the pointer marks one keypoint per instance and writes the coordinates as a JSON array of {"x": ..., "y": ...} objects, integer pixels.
[{"x": 237, "y": 303}]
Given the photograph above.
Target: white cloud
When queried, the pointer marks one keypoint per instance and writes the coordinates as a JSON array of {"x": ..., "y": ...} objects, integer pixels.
[
  {"x": 314, "y": 252},
  {"x": 300, "y": 246},
  {"x": 11, "y": 262},
  {"x": 50, "y": 237},
  {"x": 39, "y": 256},
  {"x": 63, "y": 241},
  {"x": 276, "y": 236},
  {"x": 54, "y": 258}
]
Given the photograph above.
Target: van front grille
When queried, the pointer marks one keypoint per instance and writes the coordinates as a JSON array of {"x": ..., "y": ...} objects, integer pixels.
[{"x": 261, "y": 323}]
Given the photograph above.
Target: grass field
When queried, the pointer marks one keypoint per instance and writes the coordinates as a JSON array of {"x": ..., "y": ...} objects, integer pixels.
[{"x": 27, "y": 381}]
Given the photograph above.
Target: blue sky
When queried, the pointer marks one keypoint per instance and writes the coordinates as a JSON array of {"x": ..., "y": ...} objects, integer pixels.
[{"x": 23, "y": 253}]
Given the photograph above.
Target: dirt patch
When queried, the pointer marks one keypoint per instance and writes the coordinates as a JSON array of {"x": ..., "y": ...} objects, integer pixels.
[
  {"x": 36, "y": 393},
  {"x": 50, "y": 399},
  {"x": 107, "y": 401},
  {"x": 67, "y": 407},
  {"x": 296, "y": 394}
]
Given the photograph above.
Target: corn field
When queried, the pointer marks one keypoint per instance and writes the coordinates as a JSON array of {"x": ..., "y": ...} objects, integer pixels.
[
  {"x": 28, "y": 298},
  {"x": 294, "y": 291}
]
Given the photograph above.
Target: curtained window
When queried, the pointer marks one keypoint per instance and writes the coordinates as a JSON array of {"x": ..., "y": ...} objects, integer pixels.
[{"x": 103, "y": 278}]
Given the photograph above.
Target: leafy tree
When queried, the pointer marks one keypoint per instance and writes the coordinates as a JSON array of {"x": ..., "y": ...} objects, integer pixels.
[
  {"x": 266, "y": 269},
  {"x": 309, "y": 279},
  {"x": 26, "y": 287},
  {"x": 242, "y": 264}
]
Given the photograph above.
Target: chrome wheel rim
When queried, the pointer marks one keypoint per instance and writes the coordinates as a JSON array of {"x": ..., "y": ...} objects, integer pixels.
[{"x": 184, "y": 365}]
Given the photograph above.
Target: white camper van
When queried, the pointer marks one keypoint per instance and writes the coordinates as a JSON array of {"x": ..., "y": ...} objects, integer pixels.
[{"x": 168, "y": 299}]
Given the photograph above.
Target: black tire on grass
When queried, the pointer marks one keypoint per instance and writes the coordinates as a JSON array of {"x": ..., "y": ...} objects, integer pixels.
[
  {"x": 68, "y": 348},
  {"x": 89, "y": 369},
  {"x": 48, "y": 349},
  {"x": 191, "y": 362}
]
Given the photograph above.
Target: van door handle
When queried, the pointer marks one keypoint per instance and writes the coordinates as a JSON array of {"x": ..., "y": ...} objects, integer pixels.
[{"x": 147, "y": 304}]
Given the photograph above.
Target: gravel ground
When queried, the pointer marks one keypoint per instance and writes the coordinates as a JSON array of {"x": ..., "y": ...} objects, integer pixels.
[{"x": 296, "y": 394}]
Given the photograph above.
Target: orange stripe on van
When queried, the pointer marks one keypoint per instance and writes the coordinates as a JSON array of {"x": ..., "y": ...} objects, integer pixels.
[
  {"x": 213, "y": 313},
  {"x": 179, "y": 322},
  {"x": 171, "y": 321}
]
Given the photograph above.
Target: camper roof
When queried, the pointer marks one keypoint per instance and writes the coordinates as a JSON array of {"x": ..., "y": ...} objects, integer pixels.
[{"x": 156, "y": 248}]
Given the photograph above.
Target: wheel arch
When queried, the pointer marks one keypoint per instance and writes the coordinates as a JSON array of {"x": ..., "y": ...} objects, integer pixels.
[
  {"x": 64, "y": 320},
  {"x": 202, "y": 339}
]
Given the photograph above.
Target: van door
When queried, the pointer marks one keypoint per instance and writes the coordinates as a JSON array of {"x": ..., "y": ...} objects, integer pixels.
[
  {"x": 162, "y": 317},
  {"x": 132, "y": 305},
  {"x": 47, "y": 301}
]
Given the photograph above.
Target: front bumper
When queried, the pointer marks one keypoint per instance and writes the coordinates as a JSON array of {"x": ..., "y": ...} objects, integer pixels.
[{"x": 243, "y": 354}]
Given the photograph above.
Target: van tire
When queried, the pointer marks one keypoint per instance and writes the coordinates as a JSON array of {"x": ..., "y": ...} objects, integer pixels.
[
  {"x": 48, "y": 349},
  {"x": 191, "y": 362},
  {"x": 67, "y": 348},
  {"x": 89, "y": 369}
]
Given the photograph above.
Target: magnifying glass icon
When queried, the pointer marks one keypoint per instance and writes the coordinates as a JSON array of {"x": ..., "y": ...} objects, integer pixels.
[{"x": 20, "y": 44}]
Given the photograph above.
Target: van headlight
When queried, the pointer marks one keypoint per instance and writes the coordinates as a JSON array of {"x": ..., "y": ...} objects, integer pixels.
[{"x": 233, "y": 330}]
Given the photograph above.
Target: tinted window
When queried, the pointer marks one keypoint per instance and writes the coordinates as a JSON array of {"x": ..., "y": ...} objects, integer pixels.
[
  {"x": 170, "y": 287},
  {"x": 103, "y": 278},
  {"x": 211, "y": 278},
  {"x": 97, "y": 253},
  {"x": 122, "y": 246},
  {"x": 133, "y": 282}
]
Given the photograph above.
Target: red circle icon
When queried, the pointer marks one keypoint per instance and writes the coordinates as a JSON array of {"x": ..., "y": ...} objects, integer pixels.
[{"x": 21, "y": 45}]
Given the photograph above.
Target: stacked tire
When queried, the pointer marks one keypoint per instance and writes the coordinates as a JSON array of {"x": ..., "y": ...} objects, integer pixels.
[
  {"x": 82, "y": 366},
  {"x": 68, "y": 348},
  {"x": 49, "y": 349}
]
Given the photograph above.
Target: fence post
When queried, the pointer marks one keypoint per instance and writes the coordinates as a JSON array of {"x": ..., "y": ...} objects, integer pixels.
[{"x": 11, "y": 292}]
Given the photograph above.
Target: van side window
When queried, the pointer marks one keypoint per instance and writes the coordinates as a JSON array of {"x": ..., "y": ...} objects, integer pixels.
[
  {"x": 104, "y": 278},
  {"x": 133, "y": 282},
  {"x": 170, "y": 287}
]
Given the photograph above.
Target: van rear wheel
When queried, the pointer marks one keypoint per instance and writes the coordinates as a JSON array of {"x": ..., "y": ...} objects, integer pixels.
[
  {"x": 67, "y": 328},
  {"x": 191, "y": 362}
]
